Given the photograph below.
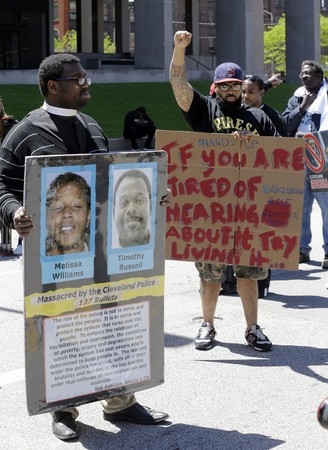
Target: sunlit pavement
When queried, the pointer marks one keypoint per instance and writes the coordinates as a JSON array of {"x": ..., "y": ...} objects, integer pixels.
[{"x": 227, "y": 398}]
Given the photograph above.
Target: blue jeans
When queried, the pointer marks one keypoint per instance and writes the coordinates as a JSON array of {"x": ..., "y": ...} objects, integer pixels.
[{"x": 306, "y": 234}]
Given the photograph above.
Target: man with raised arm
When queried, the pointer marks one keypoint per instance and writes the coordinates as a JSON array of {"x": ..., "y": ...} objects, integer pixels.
[{"x": 222, "y": 114}]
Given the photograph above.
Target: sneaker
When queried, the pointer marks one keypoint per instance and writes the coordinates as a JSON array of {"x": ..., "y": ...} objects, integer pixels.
[
  {"x": 257, "y": 339},
  {"x": 148, "y": 145},
  {"x": 305, "y": 258},
  {"x": 134, "y": 145},
  {"x": 205, "y": 337},
  {"x": 19, "y": 250},
  {"x": 324, "y": 264},
  {"x": 263, "y": 292}
]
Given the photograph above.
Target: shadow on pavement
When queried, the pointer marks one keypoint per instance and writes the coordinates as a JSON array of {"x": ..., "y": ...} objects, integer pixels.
[
  {"x": 299, "y": 359},
  {"x": 172, "y": 340},
  {"x": 174, "y": 437},
  {"x": 300, "y": 274},
  {"x": 298, "y": 301}
]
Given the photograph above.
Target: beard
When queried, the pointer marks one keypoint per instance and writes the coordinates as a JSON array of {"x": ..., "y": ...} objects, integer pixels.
[
  {"x": 135, "y": 237},
  {"x": 229, "y": 107}
]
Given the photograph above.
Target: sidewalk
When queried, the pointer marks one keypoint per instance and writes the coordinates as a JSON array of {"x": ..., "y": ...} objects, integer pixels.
[{"x": 227, "y": 398}]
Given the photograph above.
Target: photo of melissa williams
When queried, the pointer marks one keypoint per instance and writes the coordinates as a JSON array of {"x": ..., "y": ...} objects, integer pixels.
[
  {"x": 68, "y": 203},
  {"x": 67, "y": 223}
]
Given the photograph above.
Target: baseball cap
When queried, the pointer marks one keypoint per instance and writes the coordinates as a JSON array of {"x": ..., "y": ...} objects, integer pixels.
[{"x": 228, "y": 72}]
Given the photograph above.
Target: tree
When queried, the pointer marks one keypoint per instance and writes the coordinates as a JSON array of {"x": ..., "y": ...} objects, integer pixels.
[
  {"x": 324, "y": 40},
  {"x": 68, "y": 43},
  {"x": 109, "y": 45},
  {"x": 275, "y": 44}
]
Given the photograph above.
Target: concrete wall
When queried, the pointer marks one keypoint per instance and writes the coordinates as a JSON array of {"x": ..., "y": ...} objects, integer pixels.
[
  {"x": 121, "y": 144},
  {"x": 302, "y": 35},
  {"x": 114, "y": 75},
  {"x": 239, "y": 34},
  {"x": 153, "y": 33}
]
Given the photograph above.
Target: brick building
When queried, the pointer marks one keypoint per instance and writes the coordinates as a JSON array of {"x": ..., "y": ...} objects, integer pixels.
[{"x": 142, "y": 32}]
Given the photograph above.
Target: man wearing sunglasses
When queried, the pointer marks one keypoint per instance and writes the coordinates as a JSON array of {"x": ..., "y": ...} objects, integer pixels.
[
  {"x": 223, "y": 114},
  {"x": 59, "y": 128}
]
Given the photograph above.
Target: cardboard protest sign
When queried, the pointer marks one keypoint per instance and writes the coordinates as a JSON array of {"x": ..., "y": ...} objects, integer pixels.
[
  {"x": 93, "y": 287},
  {"x": 316, "y": 159},
  {"x": 234, "y": 202}
]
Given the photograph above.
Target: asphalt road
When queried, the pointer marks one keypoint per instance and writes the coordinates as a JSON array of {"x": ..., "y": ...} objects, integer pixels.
[{"x": 228, "y": 398}]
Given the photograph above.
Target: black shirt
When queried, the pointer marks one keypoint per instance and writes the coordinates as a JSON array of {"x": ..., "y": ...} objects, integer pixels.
[{"x": 206, "y": 115}]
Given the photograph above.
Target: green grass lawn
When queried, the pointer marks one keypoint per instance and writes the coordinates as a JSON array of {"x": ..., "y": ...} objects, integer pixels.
[{"x": 110, "y": 102}]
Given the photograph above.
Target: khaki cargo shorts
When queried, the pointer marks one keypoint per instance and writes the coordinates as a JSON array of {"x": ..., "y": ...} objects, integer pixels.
[{"x": 216, "y": 272}]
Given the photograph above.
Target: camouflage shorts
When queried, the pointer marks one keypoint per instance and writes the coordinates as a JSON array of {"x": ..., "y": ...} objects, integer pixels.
[{"x": 216, "y": 272}]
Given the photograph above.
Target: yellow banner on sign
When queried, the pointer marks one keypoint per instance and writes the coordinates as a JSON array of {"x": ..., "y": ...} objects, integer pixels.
[{"x": 53, "y": 303}]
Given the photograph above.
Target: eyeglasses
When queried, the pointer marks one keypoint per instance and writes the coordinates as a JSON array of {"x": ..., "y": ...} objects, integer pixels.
[
  {"x": 307, "y": 73},
  {"x": 227, "y": 87},
  {"x": 81, "y": 81}
]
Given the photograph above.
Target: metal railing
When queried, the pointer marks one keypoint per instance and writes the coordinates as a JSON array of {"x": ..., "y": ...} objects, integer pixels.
[{"x": 199, "y": 63}]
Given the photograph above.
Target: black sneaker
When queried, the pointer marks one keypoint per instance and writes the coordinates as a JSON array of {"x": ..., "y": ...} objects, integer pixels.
[
  {"x": 134, "y": 145},
  {"x": 205, "y": 337},
  {"x": 324, "y": 264},
  {"x": 263, "y": 292},
  {"x": 258, "y": 340},
  {"x": 304, "y": 258}
]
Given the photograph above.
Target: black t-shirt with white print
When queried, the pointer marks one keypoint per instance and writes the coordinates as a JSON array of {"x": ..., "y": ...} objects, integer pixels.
[{"x": 206, "y": 115}]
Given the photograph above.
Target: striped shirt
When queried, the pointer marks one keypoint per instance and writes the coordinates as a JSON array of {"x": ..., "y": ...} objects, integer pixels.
[{"x": 40, "y": 133}]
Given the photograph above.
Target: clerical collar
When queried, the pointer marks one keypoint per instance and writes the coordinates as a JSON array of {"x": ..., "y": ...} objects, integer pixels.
[{"x": 59, "y": 111}]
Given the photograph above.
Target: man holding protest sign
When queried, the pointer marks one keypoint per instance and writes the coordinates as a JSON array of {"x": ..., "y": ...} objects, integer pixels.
[
  {"x": 58, "y": 128},
  {"x": 223, "y": 114}
]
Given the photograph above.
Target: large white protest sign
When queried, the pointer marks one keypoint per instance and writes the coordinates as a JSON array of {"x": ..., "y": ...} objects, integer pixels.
[{"x": 93, "y": 287}]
